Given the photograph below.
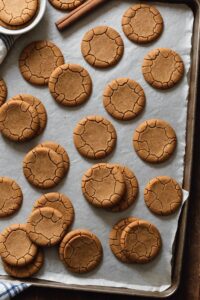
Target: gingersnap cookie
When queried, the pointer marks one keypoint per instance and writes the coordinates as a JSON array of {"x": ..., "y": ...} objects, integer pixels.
[
  {"x": 95, "y": 137},
  {"x": 81, "y": 251},
  {"x": 46, "y": 226},
  {"x": 3, "y": 91},
  {"x": 154, "y": 141},
  {"x": 131, "y": 192},
  {"x": 124, "y": 99},
  {"x": 115, "y": 236},
  {"x": 28, "y": 270},
  {"x": 19, "y": 121},
  {"x": 140, "y": 241},
  {"x": 162, "y": 68},
  {"x": 102, "y": 47},
  {"x": 38, "y": 60},
  {"x": 142, "y": 23},
  {"x": 43, "y": 167},
  {"x": 66, "y": 4},
  {"x": 18, "y": 12},
  {"x": 163, "y": 195},
  {"x": 16, "y": 248},
  {"x": 103, "y": 185},
  {"x": 70, "y": 85},
  {"x": 59, "y": 202},
  {"x": 10, "y": 197}
]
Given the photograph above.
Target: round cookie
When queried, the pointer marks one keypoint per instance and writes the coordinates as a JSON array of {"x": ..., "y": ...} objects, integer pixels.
[
  {"x": 19, "y": 121},
  {"x": 115, "y": 236},
  {"x": 57, "y": 201},
  {"x": 124, "y": 99},
  {"x": 10, "y": 197},
  {"x": 95, "y": 137},
  {"x": 66, "y": 4},
  {"x": 43, "y": 168},
  {"x": 16, "y": 248},
  {"x": 70, "y": 85},
  {"x": 59, "y": 150},
  {"x": 39, "y": 107},
  {"x": 27, "y": 270},
  {"x": 81, "y": 251},
  {"x": 142, "y": 23},
  {"x": 154, "y": 141},
  {"x": 162, "y": 68},
  {"x": 3, "y": 91},
  {"x": 46, "y": 226},
  {"x": 38, "y": 60},
  {"x": 163, "y": 195},
  {"x": 18, "y": 12},
  {"x": 103, "y": 185},
  {"x": 131, "y": 192},
  {"x": 102, "y": 47}
]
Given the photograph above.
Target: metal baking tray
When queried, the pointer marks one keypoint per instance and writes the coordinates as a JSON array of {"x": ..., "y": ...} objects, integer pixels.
[{"x": 180, "y": 238}]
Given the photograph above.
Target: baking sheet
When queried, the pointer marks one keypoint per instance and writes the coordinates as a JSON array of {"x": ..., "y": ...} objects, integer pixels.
[{"x": 169, "y": 105}]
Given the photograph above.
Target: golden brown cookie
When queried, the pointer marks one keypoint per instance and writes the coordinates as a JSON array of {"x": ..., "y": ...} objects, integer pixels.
[
  {"x": 18, "y": 12},
  {"x": 43, "y": 167},
  {"x": 115, "y": 236},
  {"x": 103, "y": 185},
  {"x": 142, "y": 23},
  {"x": 124, "y": 99},
  {"x": 163, "y": 195},
  {"x": 102, "y": 47},
  {"x": 95, "y": 137},
  {"x": 81, "y": 251},
  {"x": 131, "y": 192},
  {"x": 140, "y": 241},
  {"x": 19, "y": 121},
  {"x": 46, "y": 226},
  {"x": 38, "y": 60},
  {"x": 16, "y": 248},
  {"x": 154, "y": 141},
  {"x": 3, "y": 91},
  {"x": 60, "y": 202},
  {"x": 66, "y": 4},
  {"x": 70, "y": 85},
  {"x": 27, "y": 270},
  {"x": 39, "y": 107},
  {"x": 15, "y": 27},
  {"x": 10, "y": 197},
  {"x": 162, "y": 68}
]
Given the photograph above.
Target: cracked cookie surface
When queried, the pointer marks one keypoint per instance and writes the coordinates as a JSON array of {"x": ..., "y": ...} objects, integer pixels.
[
  {"x": 38, "y": 60},
  {"x": 10, "y": 197},
  {"x": 142, "y": 23},
  {"x": 39, "y": 107},
  {"x": 43, "y": 167},
  {"x": 60, "y": 202},
  {"x": 102, "y": 47},
  {"x": 103, "y": 185},
  {"x": 46, "y": 226},
  {"x": 19, "y": 121},
  {"x": 3, "y": 91},
  {"x": 115, "y": 236},
  {"x": 18, "y": 12},
  {"x": 163, "y": 195},
  {"x": 81, "y": 251},
  {"x": 27, "y": 270},
  {"x": 70, "y": 85},
  {"x": 141, "y": 241},
  {"x": 124, "y": 99},
  {"x": 163, "y": 68},
  {"x": 95, "y": 137},
  {"x": 154, "y": 141},
  {"x": 66, "y": 4},
  {"x": 16, "y": 248}
]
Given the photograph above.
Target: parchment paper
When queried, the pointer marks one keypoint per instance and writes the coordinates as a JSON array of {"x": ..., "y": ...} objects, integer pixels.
[{"x": 169, "y": 105}]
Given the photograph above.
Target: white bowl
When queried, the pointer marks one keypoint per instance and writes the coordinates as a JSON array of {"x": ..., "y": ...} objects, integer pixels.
[{"x": 37, "y": 19}]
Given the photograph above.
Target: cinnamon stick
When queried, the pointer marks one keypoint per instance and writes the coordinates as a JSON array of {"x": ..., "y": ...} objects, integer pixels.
[{"x": 77, "y": 13}]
